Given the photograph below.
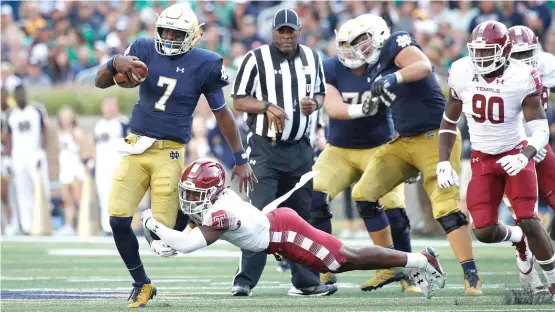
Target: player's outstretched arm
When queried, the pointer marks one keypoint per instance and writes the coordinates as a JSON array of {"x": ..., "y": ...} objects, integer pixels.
[
  {"x": 448, "y": 127},
  {"x": 336, "y": 108},
  {"x": 197, "y": 238}
]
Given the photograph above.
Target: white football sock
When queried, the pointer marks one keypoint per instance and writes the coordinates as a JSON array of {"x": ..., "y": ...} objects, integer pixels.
[
  {"x": 549, "y": 275},
  {"x": 416, "y": 260},
  {"x": 514, "y": 234}
]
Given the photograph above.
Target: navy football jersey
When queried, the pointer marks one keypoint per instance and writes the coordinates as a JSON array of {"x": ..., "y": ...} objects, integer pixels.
[
  {"x": 417, "y": 106},
  {"x": 170, "y": 93},
  {"x": 366, "y": 132}
]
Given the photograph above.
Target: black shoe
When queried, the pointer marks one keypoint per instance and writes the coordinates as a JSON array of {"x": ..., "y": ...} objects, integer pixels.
[
  {"x": 241, "y": 291},
  {"x": 313, "y": 291}
]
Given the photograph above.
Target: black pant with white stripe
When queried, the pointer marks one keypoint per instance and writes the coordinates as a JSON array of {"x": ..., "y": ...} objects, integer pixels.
[{"x": 278, "y": 169}]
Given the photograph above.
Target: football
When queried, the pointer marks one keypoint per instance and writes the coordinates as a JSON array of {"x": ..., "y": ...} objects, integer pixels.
[{"x": 122, "y": 81}]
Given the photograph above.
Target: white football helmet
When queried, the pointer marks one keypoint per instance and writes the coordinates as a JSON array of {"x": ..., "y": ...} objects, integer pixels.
[
  {"x": 178, "y": 17},
  {"x": 376, "y": 30},
  {"x": 345, "y": 52}
]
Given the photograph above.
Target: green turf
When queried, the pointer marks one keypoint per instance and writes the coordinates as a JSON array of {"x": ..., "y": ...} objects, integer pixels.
[{"x": 203, "y": 283}]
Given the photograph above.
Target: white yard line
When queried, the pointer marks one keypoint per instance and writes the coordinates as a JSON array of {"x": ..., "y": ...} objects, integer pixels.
[{"x": 441, "y": 243}]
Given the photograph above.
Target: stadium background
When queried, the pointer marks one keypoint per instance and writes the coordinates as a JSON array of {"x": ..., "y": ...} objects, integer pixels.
[{"x": 55, "y": 48}]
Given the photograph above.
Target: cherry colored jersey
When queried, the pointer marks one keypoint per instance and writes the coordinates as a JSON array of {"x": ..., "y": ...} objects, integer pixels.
[{"x": 493, "y": 107}]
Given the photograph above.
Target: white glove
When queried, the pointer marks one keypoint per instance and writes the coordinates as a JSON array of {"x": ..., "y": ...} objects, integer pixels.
[
  {"x": 160, "y": 249},
  {"x": 413, "y": 179},
  {"x": 147, "y": 220},
  {"x": 446, "y": 175},
  {"x": 513, "y": 164},
  {"x": 540, "y": 155}
]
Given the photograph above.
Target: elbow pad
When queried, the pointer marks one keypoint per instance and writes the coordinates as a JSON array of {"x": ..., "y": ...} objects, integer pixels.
[{"x": 540, "y": 133}]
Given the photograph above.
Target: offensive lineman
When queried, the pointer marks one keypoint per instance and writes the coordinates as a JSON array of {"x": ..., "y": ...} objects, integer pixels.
[
  {"x": 354, "y": 137},
  {"x": 161, "y": 125},
  {"x": 494, "y": 93},
  {"x": 220, "y": 213},
  {"x": 402, "y": 78}
]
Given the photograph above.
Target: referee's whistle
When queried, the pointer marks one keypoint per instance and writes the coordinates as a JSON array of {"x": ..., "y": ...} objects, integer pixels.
[{"x": 274, "y": 138}]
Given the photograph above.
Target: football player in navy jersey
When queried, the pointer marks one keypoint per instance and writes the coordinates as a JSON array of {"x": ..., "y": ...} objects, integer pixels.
[
  {"x": 402, "y": 78},
  {"x": 354, "y": 135},
  {"x": 160, "y": 127}
]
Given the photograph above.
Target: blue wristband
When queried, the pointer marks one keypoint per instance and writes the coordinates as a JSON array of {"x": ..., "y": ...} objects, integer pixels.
[
  {"x": 240, "y": 157},
  {"x": 110, "y": 65}
]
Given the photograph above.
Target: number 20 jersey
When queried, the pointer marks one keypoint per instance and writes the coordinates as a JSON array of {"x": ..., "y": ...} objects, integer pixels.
[
  {"x": 169, "y": 95},
  {"x": 493, "y": 107}
]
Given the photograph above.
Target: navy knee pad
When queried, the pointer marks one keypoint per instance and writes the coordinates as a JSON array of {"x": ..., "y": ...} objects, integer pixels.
[
  {"x": 119, "y": 224},
  {"x": 373, "y": 216},
  {"x": 398, "y": 220},
  {"x": 453, "y": 221}
]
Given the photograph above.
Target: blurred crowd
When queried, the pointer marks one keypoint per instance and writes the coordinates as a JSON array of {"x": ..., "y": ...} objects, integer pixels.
[{"x": 58, "y": 42}]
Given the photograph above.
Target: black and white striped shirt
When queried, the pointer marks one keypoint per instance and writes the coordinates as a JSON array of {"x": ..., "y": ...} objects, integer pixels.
[{"x": 268, "y": 75}]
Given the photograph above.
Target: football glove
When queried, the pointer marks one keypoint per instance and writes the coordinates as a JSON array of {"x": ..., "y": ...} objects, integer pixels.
[
  {"x": 160, "y": 249},
  {"x": 446, "y": 175},
  {"x": 413, "y": 179},
  {"x": 379, "y": 86},
  {"x": 513, "y": 164},
  {"x": 540, "y": 155},
  {"x": 369, "y": 105}
]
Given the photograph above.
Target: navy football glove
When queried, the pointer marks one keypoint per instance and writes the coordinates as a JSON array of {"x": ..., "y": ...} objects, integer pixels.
[{"x": 379, "y": 86}]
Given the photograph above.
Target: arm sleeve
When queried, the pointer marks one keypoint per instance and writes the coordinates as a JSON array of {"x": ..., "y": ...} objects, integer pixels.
[
  {"x": 454, "y": 87},
  {"x": 396, "y": 43},
  {"x": 534, "y": 85},
  {"x": 133, "y": 49},
  {"x": 216, "y": 79},
  {"x": 320, "y": 83},
  {"x": 180, "y": 241},
  {"x": 246, "y": 79}
]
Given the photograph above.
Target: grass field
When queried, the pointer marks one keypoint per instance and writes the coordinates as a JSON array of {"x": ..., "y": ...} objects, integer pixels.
[{"x": 68, "y": 274}]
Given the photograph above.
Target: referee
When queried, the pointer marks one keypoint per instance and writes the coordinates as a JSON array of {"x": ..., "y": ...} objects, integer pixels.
[{"x": 279, "y": 86}]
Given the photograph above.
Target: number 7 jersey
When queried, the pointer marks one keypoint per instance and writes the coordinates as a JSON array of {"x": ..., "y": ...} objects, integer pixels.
[
  {"x": 493, "y": 107},
  {"x": 169, "y": 95}
]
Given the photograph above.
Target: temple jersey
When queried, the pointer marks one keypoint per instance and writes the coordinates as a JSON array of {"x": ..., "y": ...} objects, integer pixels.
[
  {"x": 493, "y": 108},
  {"x": 546, "y": 67},
  {"x": 247, "y": 227}
]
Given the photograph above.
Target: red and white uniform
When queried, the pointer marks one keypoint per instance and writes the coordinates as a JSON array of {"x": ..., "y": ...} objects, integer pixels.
[
  {"x": 493, "y": 109},
  {"x": 281, "y": 232}
]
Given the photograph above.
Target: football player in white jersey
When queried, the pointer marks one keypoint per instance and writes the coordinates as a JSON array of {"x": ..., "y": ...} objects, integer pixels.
[
  {"x": 107, "y": 132},
  {"x": 71, "y": 168},
  {"x": 25, "y": 145},
  {"x": 526, "y": 48},
  {"x": 494, "y": 93},
  {"x": 220, "y": 213}
]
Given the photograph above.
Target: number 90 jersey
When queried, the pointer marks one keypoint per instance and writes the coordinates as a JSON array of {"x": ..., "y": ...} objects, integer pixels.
[
  {"x": 361, "y": 133},
  {"x": 493, "y": 107},
  {"x": 169, "y": 95}
]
